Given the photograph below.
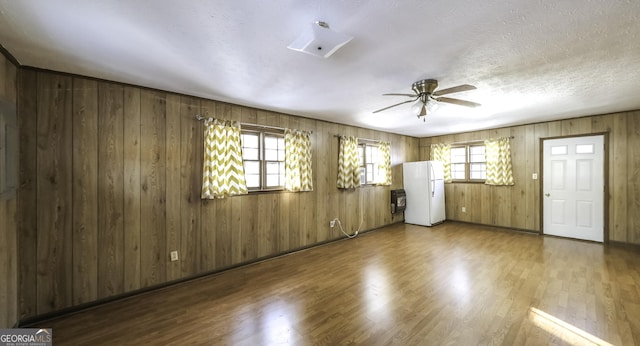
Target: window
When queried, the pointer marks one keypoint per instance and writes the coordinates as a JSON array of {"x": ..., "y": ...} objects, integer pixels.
[
  {"x": 477, "y": 163},
  {"x": 458, "y": 163},
  {"x": 369, "y": 162},
  {"x": 263, "y": 158},
  {"x": 468, "y": 163}
]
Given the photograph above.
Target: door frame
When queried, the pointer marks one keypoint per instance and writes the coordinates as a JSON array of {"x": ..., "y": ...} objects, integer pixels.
[{"x": 605, "y": 176}]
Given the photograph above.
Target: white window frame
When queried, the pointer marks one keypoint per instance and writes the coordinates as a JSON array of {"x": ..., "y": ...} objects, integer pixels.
[
  {"x": 473, "y": 163},
  {"x": 369, "y": 156},
  {"x": 262, "y": 158}
]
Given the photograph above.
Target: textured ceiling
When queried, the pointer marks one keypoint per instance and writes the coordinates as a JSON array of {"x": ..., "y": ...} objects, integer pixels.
[{"x": 532, "y": 61}]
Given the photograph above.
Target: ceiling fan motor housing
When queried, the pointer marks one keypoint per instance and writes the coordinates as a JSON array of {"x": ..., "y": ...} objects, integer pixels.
[{"x": 425, "y": 86}]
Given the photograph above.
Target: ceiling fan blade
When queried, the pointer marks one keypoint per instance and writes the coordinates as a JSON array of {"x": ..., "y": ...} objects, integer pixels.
[
  {"x": 455, "y": 89},
  {"x": 408, "y": 95},
  {"x": 397, "y": 104},
  {"x": 457, "y": 102}
]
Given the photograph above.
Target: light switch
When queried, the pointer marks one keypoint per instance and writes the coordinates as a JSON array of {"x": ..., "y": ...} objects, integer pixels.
[{"x": 534, "y": 176}]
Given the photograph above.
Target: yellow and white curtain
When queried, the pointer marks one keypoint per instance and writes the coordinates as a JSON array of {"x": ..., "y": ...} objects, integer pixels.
[
  {"x": 442, "y": 153},
  {"x": 348, "y": 163},
  {"x": 498, "y": 156},
  {"x": 223, "y": 170},
  {"x": 384, "y": 166},
  {"x": 298, "y": 173}
]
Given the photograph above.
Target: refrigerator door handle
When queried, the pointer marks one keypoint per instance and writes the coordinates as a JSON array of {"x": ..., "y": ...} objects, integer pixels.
[{"x": 433, "y": 181}]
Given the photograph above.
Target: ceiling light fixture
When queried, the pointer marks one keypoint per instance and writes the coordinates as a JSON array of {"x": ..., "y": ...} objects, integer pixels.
[
  {"x": 423, "y": 106},
  {"x": 319, "y": 40}
]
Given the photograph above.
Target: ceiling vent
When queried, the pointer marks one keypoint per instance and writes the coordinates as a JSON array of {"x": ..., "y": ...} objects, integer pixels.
[{"x": 319, "y": 40}]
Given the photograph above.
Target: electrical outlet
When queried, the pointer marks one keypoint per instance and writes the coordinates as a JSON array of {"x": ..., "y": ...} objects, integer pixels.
[
  {"x": 464, "y": 209},
  {"x": 332, "y": 223},
  {"x": 174, "y": 256},
  {"x": 534, "y": 176}
]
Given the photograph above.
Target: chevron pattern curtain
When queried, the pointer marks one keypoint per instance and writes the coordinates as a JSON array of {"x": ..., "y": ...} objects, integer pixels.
[
  {"x": 442, "y": 153},
  {"x": 298, "y": 173},
  {"x": 348, "y": 163},
  {"x": 498, "y": 156},
  {"x": 384, "y": 167},
  {"x": 222, "y": 171}
]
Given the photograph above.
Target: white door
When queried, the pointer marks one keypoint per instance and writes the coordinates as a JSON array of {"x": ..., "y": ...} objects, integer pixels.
[{"x": 573, "y": 187}]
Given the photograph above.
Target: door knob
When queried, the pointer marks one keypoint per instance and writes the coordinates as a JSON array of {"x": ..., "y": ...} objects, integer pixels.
[{"x": 547, "y": 194}]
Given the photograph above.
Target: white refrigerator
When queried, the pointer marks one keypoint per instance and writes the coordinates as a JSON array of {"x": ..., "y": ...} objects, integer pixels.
[{"x": 424, "y": 186}]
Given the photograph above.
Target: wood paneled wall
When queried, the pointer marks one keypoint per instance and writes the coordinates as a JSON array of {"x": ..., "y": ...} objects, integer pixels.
[
  {"x": 8, "y": 227},
  {"x": 519, "y": 206},
  {"x": 110, "y": 184}
]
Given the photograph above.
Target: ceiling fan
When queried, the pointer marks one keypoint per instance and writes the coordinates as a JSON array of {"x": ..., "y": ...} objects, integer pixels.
[{"x": 426, "y": 97}]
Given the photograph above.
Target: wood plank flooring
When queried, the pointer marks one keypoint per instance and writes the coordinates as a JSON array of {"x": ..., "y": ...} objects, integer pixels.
[{"x": 455, "y": 284}]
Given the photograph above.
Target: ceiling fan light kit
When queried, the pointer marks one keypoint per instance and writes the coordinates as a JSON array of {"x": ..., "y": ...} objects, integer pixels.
[
  {"x": 425, "y": 98},
  {"x": 421, "y": 108},
  {"x": 319, "y": 40}
]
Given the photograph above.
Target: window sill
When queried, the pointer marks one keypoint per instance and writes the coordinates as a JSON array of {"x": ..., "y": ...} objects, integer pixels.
[{"x": 258, "y": 192}]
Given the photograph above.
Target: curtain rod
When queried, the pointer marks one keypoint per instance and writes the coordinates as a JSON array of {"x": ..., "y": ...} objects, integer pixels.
[
  {"x": 473, "y": 141},
  {"x": 201, "y": 118},
  {"x": 364, "y": 139}
]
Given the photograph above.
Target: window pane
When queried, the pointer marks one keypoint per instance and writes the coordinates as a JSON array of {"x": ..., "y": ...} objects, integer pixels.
[
  {"x": 250, "y": 154},
  {"x": 361, "y": 155},
  {"x": 459, "y": 155},
  {"x": 273, "y": 168},
  {"x": 275, "y": 174},
  {"x": 476, "y": 149},
  {"x": 282, "y": 173},
  {"x": 478, "y": 175},
  {"x": 270, "y": 142},
  {"x": 250, "y": 140},
  {"x": 253, "y": 180},
  {"x": 273, "y": 180},
  {"x": 374, "y": 155},
  {"x": 252, "y": 167},
  {"x": 476, "y": 153},
  {"x": 584, "y": 149},
  {"x": 457, "y": 171},
  {"x": 457, "y": 175},
  {"x": 559, "y": 150},
  {"x": 271, "y": 155},
  {"x": 478, "y": 171},
  {"x": 362, "y": 176},
  {"x": 369, "y": 172},
  {"x": 274, "y": 148},
  {"x": 458, "y": 167}
]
